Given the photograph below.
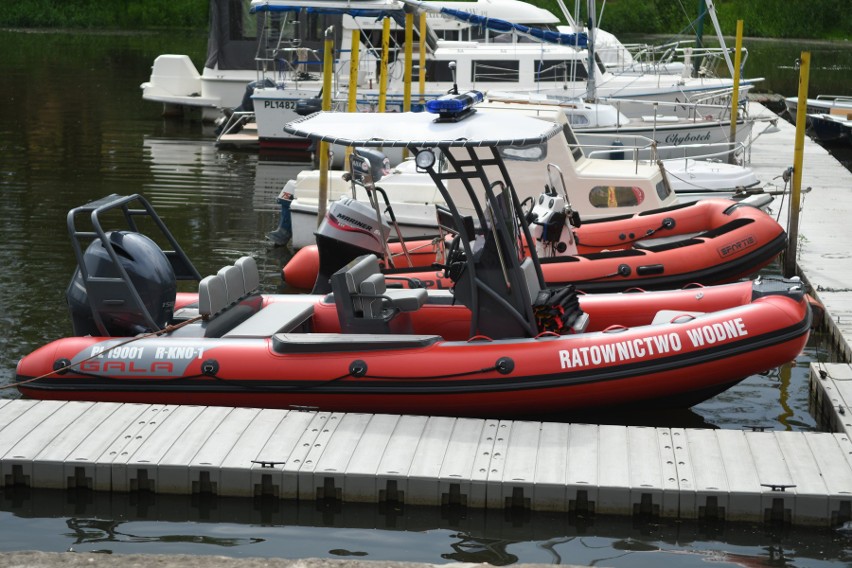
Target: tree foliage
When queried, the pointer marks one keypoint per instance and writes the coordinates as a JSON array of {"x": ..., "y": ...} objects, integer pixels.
[
  {"x": 117, "y": 14},
  {"x": 824, "y": 19},
  {"x": 827, "y": 19}
]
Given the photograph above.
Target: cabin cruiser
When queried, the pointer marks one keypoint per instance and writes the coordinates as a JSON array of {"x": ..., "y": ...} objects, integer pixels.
[
  {"x": 556, "y": 65},
  {"x": 598, "y": 187}
]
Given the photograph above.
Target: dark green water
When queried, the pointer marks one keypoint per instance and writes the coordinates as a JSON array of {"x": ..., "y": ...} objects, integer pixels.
[{"x": 73, "y": 128}]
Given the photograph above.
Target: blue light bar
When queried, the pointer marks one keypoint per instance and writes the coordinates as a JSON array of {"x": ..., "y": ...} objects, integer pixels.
[{"x": 453, "y": 107}]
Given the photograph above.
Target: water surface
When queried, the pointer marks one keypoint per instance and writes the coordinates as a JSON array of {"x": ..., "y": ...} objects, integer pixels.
[{"x": 73, "y": 128}]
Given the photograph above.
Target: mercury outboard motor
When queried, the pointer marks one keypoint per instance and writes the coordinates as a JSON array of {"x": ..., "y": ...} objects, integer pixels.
[
  {"x": 352, "y": 228},
  {"x": 104, "y": 303}
]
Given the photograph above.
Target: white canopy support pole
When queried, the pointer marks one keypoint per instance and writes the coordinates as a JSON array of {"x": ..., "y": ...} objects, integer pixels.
[{"x": 711, "y": 9}]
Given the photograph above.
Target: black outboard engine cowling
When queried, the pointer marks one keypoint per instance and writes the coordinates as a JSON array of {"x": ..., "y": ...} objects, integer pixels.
[{"x": 109, "y": 294}]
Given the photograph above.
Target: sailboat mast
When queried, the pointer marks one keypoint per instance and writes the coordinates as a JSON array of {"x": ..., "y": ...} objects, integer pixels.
[{"x": 591, "y": 87}]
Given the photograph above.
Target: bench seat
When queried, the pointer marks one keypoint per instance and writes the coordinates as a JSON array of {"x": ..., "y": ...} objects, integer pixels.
[{"x": 277, "y": 317}]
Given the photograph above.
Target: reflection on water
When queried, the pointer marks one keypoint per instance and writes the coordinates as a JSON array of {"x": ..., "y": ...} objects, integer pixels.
[
  {"x": 76, "y": 130},
  {"x": 143, "y": 523}
]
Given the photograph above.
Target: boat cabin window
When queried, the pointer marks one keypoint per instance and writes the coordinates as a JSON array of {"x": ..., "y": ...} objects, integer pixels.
[
  {"x": 298, "y": 29},
  {"x": 599, "y": 62},
  {"x": 313, "y": 29},
  {"x": 573, "y": 143},
  {"x": 663, "y": 190},
  {"x": 244, "y": 26},
  {"x": 496, "y": 71},
  {"x": 605, "y": 196},
  {"x": 438, "y": 71},
  {"x": 288, "y": 28},
  {"x": 483, "y": 34},
  {"x": 535, "y": 153},
  {"x": 233, "y": 34},
  {"x": 577, "y": 119},
  {"x": 552, "y": 71}
]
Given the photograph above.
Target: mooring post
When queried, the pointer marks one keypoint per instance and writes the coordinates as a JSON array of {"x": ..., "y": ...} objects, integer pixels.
[
  {"x": 735, "y": 94},
  {"x": 798, "y": 158},
  {"x": 327, "y": 68}
]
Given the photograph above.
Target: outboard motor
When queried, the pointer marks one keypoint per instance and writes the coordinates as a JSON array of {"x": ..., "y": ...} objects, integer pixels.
[
  {"x": 551, "y": 222},
  {"x": 246, "y": 105},
  {"x": 104, "y": 304},
  {"x": 352, "y": 228},
  {"x": 305, "y": 107}
]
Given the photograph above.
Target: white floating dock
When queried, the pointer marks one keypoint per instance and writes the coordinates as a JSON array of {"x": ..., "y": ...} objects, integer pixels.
[
  {"x": 792, "y": 477},
  {"x": 795, "y": 477}
]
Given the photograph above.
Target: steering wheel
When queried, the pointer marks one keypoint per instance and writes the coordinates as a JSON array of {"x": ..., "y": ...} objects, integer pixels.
[{"x": 455, "y": 260}]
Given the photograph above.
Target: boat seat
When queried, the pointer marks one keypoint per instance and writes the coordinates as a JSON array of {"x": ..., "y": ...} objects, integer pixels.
[
  {"x": 251, "y": 276},
  {"x": 405, "y": 300},
  {"x": 277, "y": 317},
  {"x": 244, "y": 269},
  {"x": 364, "y": 304},
  {"x": 660, "y": 243},
  {"x": 234, "y": 284},
  {"x": 212, "y": 296}
]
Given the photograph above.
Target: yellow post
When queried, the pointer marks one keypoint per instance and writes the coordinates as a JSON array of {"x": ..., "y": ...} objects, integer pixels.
[
  {"x": 327, "y": 68},
  {"x": 735, "y": 95},
  {"x": 422, "y": 58},
  {"x": 352, "y": 102},
  {"x": 409, "y": 54},
  {"x": 383, "y": 77},
  {"x": 354, "y": 61},
  {"x": 798, "y": 160}
]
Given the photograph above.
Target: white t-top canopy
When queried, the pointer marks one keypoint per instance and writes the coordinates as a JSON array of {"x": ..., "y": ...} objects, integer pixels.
[{"x": 421, "y": 129}]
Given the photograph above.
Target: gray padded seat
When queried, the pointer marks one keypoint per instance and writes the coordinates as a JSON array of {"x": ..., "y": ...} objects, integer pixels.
[
  {"x": 359, "y": 270},
  {"x": 363, "y": 302},
  {"x": 234, "y": 286},
  {"x": 404, "y": 300},
  {"x": 372, "y": 293},
  {"x": 251, "y": 276},
  {"x": 212, "y": 296},
  {"x": 370, "y": 301},
  {"x": 278, "y": 317}
]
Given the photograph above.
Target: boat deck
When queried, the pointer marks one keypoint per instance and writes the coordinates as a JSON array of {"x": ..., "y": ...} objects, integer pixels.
[
  {"x": 245, "y": 139},
  {"x": 800, "y": 478}
]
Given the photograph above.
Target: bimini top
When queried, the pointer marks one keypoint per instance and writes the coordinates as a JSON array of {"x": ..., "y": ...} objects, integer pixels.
[{"x": 423, "y": 129}]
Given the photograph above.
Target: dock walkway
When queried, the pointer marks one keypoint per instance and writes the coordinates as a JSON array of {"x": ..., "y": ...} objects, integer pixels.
[{"x": 800, "y": 478}]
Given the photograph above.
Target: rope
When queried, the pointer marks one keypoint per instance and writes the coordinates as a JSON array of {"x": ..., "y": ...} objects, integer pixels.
[
  {"x": 349, "y": 375},
  {"x": 174, "y": 327},
  {"x": 447, "y": 376},
  {"x": 168, "y": 329}
]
